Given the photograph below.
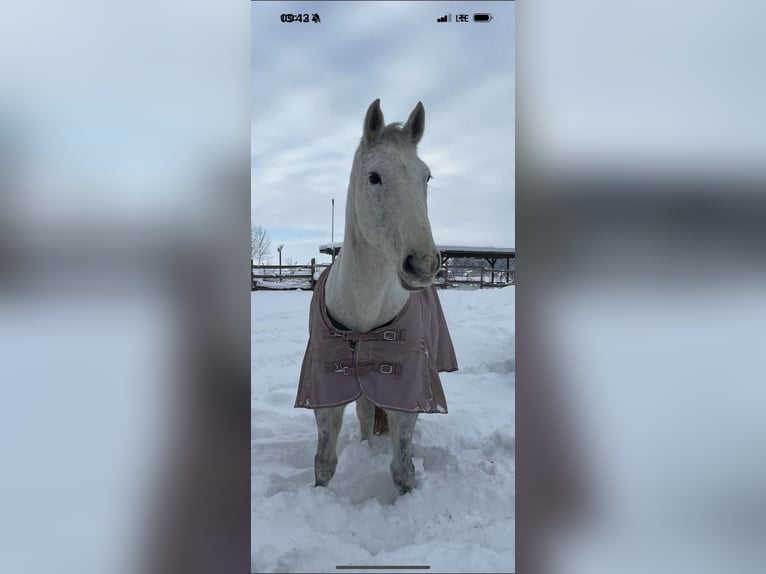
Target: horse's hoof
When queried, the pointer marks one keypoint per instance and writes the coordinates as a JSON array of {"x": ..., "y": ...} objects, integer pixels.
[
  {"x": 404, "y": 478},
  {"x": 404, "y": 484},
  {"x": 403, "y": 488},
  {"x": 324, "y": 471},
  {"x": 324, "y": 481}
]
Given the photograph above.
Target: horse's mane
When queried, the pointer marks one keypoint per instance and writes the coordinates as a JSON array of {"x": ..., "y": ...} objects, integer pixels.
[{"x": 394, "y": 133}]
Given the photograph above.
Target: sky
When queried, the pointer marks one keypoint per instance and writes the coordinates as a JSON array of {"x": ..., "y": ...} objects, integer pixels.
[{"x": 313, "y": 82}]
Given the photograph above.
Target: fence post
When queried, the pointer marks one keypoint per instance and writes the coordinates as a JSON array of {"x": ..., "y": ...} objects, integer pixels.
[
  {"x": 313, "y": 272},
  {"x": 252, "y": 281}
]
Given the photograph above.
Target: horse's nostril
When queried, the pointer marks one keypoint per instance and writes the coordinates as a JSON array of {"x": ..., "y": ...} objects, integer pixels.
[
  {"x": 421, "y": 265},
  {"x": 408, "y": 267}
]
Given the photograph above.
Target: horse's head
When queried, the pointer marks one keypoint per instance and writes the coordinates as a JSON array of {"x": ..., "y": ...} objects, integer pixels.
[{"x": 387, "y": 196}]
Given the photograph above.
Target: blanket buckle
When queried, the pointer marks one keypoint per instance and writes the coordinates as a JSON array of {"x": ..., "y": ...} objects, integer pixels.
[{"x": 340, "y": 368}]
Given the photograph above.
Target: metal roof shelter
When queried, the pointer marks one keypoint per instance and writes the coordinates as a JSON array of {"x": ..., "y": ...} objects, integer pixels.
[{"x": 489, "y": 254}]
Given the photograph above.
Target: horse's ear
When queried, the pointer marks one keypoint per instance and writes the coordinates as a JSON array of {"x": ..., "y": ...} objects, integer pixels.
[
  {"x": 373, "y": 122},
  {"x": 416, "y": 123}
]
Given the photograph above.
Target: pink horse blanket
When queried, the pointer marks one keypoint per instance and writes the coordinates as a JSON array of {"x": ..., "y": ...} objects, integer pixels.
[{"x": 395, "y": 366}]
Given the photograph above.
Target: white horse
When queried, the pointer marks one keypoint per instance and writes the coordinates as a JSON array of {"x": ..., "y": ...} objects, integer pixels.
[{"x": 388, "y": 253}]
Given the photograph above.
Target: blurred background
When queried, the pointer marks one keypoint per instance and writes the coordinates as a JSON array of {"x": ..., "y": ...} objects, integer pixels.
[
  {"x": 124, "y": 330},
  {"x": 641, "y": 287},
  {"x": 124, "y": 160}
]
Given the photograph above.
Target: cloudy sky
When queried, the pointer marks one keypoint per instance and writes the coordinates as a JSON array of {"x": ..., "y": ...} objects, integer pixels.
[{"x": 312, "y": 84}]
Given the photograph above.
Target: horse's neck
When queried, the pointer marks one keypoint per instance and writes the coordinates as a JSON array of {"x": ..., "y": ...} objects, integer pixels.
[{"x": 363, "y": 289}]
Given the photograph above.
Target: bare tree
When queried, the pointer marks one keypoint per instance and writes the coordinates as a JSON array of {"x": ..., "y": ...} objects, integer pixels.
[{"x": 260, "y": 244}]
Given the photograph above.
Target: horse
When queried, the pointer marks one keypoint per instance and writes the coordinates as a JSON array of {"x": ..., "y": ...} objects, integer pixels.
[{"x": 388, "y": 257}]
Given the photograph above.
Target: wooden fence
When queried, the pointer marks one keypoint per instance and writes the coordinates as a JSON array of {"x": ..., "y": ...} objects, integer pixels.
[
  {"x": 292, "y": 277},
  {"x": 477, "y": 276},
  {"x": 285, "y": 277}
]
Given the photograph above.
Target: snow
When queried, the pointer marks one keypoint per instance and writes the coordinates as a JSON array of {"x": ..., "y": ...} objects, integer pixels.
[
  {"x": 284, "y": 284},
  {"x": 461, "y": 515}
]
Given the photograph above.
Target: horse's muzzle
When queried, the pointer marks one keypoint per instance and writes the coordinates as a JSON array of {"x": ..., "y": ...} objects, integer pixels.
[{"x": 418, "y": 271}]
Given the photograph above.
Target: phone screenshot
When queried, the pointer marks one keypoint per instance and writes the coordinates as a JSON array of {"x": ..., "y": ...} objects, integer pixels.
[{"x": 383, "y": 286}]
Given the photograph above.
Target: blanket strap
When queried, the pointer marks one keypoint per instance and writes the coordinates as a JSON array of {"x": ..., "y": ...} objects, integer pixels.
[
  {"x": 388, "y": 335},
  {"x": 366, "y": 367}
]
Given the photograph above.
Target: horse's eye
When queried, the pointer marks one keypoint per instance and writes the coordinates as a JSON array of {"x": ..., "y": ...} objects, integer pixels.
[
  {"x": 429, "y": 178},
  {"x": 374, "y": 178}
]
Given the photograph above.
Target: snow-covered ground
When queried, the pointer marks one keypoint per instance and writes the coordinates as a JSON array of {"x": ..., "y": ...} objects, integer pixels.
[
  {"x": 285, "y": 284},
  {"x": 460, "y": 517}
]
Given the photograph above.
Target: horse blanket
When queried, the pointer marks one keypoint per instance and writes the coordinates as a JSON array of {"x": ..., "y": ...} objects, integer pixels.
[{"x": 395, "y": 366}]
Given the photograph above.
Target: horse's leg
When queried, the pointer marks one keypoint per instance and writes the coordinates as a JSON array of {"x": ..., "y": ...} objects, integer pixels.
[
  {"x": 329, "y": 421},
  {"x": 365, "y": 412},
  {"x": 402, "y": 469}
]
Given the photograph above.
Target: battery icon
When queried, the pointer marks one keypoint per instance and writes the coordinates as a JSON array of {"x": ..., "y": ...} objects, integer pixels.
[{"x": 482, "y": 17}]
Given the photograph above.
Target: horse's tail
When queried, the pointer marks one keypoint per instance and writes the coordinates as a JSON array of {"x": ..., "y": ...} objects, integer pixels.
[{"x": 381, "y": 422}]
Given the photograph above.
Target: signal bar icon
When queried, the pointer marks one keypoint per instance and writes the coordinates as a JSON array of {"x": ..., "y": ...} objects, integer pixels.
[{"x": 445, "y": 18}]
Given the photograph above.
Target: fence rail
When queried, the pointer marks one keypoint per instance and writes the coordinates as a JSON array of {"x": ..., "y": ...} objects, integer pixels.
[
  {"x": 303, "y": 277},
  {"x": 284, "y": 277},
  {"x": 480, "y": 276}
]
